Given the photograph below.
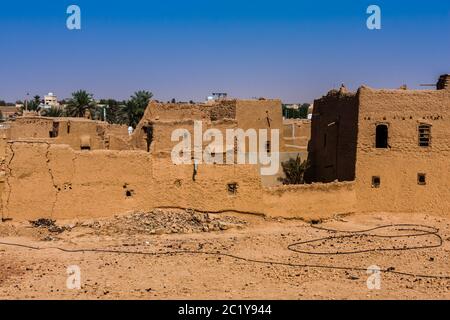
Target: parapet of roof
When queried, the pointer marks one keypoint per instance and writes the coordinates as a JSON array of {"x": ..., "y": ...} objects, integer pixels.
[{"x": 72, "y": 119}]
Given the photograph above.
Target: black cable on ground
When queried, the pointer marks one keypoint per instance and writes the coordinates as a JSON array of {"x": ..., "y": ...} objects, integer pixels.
[
  {"x": 268, "y": 262},
  {"x": 420, "y": 231}
]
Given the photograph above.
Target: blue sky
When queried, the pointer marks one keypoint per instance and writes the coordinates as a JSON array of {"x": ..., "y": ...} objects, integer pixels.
[{"x": 186, "y": 49}]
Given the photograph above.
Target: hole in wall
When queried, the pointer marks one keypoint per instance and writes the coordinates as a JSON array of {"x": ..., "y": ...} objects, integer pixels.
[
  {"x": 421, "y": 179},
  {"x": 268, "y": 147},
  {"x": 232, "y": 188},
  {"x": 376, "y": 182}
]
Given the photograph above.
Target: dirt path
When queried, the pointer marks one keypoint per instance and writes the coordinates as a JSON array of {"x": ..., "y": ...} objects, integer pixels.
[{"x": 42, "y": 274}]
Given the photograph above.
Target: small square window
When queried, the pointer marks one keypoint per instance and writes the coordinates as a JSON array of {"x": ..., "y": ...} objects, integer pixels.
[
  {"x": 232, "y": 188},
  {"x": 376, "y": 181},
  {"x": 421, "y": 179}
]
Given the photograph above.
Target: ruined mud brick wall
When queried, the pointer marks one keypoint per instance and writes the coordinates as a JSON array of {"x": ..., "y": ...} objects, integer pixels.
[
  {"x": 101, "y": 183},
  {"x": 162, "y": 131},
  {"x": 54, "y": 181},
  {"x": 398, "y": 165},
  {"x": 248, "y": 114},
  {"x": 70, "y": 131},
  {"x": 257, "y": 114},
  {"x": 332, "y": 148},
  {"x": 175, "y": 114}
]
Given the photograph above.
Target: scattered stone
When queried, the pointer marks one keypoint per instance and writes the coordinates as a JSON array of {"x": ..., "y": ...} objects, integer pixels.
[
  {"x": 166, "y": 221},
  {"x": 48, "y": 224},
  {"x": 42, "y": 223},
  {"x": 223, "y": 225}
]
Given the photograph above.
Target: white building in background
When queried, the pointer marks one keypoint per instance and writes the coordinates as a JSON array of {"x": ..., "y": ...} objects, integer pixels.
[
  {"x": 51, "y": 100},
  {"x": 310, "y": 111}
]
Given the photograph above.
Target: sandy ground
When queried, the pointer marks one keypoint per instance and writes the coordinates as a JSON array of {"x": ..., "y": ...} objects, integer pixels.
[{"x": 27, "y": 273}]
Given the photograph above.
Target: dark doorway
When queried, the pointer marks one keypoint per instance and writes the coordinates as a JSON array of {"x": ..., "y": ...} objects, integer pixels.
[
  {"x": 148, "y": 130},
  {"x": 381, "y": 140},
  {"x": 55, "y": 130}
]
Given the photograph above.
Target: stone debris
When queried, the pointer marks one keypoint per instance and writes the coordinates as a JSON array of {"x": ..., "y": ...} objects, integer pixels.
[
  {"x": 47, "y": 224},
  {"x": 167, "y": 221}
]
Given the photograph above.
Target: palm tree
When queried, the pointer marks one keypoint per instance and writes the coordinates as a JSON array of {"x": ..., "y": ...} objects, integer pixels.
[
  {"x": 54, "y": 112},
  {"x": 294, "y": 171},
  {"x": 135, "y": 107},
  {"x": 34, "y": 105},
  {"x": 115, "y": 111},
  {"x": 79, "y": 103}
]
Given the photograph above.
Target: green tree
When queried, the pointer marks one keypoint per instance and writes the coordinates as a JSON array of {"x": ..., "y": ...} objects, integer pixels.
[
  {"x": 300, "y": 113},
  {"x": 33, "y": 105},
  {"x": 79, "y": 103},
  {"x": 135, "y": 107},
  {"x": 303, "y": 111},
  {"x": 294, "y": 171},
  {"x": 115, "y": 111},
  {"x": 53, "y": 112}
]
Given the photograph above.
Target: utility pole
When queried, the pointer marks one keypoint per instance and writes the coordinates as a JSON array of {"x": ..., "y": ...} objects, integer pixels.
[{"x": 26, "y": 101}]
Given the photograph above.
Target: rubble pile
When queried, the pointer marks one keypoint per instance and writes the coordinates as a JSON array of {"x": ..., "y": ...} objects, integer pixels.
[
  {"x": 166, "y": 221},
  {"x": 47, "y": 224}
]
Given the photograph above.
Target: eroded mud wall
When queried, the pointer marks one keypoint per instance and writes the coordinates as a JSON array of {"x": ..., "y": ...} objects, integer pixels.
[
  {"x": 54, "y": 181},
  {"x": 332, "y": 149}
]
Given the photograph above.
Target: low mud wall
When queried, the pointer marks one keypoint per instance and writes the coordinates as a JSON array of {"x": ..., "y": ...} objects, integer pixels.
[{"x": 316, "y": 201}]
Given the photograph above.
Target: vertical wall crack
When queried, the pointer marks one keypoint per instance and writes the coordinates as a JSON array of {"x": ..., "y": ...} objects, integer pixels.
[
  {"x": 55, "y": 186},
  {"x": 7, "y": 177}
]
